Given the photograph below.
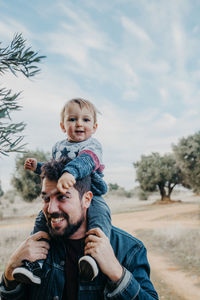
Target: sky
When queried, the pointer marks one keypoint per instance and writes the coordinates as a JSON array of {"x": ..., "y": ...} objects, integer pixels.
[{"x": 137, "y": 61}]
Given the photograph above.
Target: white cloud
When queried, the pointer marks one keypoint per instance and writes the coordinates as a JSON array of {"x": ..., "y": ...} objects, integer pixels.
[
  {"x": 135, "y": 30},
  {"x": 9, "y": 26},
  {"x": 164, "y": 95},
  {"x": 180, "y": 47},
  {"x": 78, "y": 36}
]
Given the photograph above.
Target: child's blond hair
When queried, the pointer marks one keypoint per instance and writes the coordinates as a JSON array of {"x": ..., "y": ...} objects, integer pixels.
[{"x": 82, "y": 103}]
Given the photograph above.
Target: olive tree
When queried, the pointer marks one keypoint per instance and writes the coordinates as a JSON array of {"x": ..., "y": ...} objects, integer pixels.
[
  {"x": 26, "y": 182},
  {"x": 187, "y": 153},
  {"x": 15, "y": 58},
  {"x": 156, "y": 172}
]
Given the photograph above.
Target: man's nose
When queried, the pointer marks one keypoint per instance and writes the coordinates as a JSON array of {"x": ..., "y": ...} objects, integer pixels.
[{"x": 53, "y": 206}]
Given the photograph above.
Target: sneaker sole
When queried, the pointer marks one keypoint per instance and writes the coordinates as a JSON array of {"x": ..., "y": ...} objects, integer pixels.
[
  {"x": 92, "y": 264},
  {"x": 25, "y": 276}
]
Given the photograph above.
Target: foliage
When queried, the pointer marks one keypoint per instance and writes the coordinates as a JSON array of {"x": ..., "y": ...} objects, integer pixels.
[
  {"x": 143, "y": 195},
  {"x": 187, "y": 153},
  {"x": 116, "y": 190},
  {"x": 156, "y": 172},
  {"x": 15, "y": 58},
  {"x": 1, "y": 191},
  {"x": 10, "y": 196},
  {"x": 27, "y": 183},
  {"x": 113, "y": 186}
]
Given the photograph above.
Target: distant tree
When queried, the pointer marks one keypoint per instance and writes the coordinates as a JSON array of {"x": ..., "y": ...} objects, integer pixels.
[
  {"x": 113, "y": 186},
  {"x": 187, "y": 153},
  {"x": 27, "y": 183},
  {"x": 15, "y": 58},
  {"x": 156, "y": 172},
  {"x": 1, "y": 191}
]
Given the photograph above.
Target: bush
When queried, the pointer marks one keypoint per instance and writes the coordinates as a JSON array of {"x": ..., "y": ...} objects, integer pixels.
[
  {"x": 10, "y": 196},
  {"x": 27, "y": 183},
  {"x": 1, "y": 191},
  {"x": 142, "y": 195}
]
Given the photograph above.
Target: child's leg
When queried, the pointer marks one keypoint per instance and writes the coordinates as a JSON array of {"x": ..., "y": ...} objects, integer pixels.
[
  {"x": 40, "y": 223},
  {"x": 99, "y": 215},
  {"x": 30, "y": 272}
]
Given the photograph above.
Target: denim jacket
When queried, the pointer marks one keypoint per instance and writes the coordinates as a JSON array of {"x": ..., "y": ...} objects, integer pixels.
[{"x": 130, "y": 252}]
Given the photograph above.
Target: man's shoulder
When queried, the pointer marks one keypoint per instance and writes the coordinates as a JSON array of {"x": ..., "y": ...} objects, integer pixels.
[{"x": 122, "y": 238}]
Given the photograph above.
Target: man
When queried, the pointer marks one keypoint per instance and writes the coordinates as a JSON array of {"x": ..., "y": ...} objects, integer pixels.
[{"x": 122, "y": 260}]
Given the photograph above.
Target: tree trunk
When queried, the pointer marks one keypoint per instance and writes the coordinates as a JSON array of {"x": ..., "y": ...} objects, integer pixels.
[
  {"x": 166, "y": 199},
  {"x": 164, "y": 196}
]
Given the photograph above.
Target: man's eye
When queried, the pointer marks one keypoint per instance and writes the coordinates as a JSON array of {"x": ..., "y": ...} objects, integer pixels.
[
  {"x": 45, "y": 199},
  {"x": 62, "y": 197}
]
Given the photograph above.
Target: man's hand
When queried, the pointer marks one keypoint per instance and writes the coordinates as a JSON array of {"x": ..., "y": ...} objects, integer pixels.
[
  {"x": 31, "y": 249},
  {"x": 65, "y": 181},
  {"x": 99, "y": 247},
  {"x": 30, "y": 164}
]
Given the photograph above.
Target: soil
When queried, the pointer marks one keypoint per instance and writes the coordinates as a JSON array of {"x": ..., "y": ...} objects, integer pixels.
[{"x": 171, "y": 282}]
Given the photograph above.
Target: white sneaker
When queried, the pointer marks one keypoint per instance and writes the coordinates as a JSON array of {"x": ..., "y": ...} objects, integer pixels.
[{"x": 88, "y": 268}]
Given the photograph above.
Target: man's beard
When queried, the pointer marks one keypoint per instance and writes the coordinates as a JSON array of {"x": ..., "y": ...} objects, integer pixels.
[{"x": 70, "y": 229}]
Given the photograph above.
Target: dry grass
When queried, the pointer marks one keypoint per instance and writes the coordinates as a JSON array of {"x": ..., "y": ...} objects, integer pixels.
[
  {"x": 9, "y": 241},
  {"x": 179, "y": 243}
]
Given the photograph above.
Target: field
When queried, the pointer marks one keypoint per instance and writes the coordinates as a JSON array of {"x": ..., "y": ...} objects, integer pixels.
[{"x": 171, "y": 233}]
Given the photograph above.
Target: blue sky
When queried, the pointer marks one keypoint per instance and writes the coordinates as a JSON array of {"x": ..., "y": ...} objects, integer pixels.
[{"x": 137, "y": 61}]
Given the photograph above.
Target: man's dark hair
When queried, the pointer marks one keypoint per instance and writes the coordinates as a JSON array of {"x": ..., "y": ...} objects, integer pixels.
[{"x": 53, "y": 170}]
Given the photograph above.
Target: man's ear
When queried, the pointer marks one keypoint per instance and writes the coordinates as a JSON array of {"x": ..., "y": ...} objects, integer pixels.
[
  {"x": 62, "y": 127},
  {"x": 87, "y": 198}
]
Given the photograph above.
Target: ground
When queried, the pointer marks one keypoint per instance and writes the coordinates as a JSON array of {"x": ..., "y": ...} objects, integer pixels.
[
  {"x": 166, "y": 230},
  {"x": 172, "y": 280}
]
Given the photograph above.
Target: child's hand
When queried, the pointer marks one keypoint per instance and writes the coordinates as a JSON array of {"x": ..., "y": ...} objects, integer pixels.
[
  {"x": 30, "y": 164},
  {"x": 65, "y": 181}
]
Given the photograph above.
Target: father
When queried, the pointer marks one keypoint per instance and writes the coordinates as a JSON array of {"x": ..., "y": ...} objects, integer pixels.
[{"x": 122, "y": 260}]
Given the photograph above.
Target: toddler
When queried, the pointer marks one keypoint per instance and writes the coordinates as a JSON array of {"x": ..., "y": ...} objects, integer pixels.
[{"x": 79, "y": 122}]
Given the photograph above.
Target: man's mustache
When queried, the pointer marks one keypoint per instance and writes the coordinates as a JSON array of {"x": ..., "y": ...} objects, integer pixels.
[{"x": 57, "y": 215}]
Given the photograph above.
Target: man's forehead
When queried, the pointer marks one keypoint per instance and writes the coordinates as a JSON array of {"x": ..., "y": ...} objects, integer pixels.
[{"x": 50, "y": 187}]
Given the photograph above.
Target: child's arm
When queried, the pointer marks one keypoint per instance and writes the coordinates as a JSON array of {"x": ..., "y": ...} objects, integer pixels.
[
  {"x": 30, "y": 164},
  {"x": 88, "y": 161},
  {"x": 33, "y": 165},
  {"x": 80, "y": 167},
  {"x": 65, "y": 181}
]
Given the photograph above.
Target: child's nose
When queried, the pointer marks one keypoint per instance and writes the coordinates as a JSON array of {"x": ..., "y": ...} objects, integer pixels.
[{"x": 79, "y": 122}]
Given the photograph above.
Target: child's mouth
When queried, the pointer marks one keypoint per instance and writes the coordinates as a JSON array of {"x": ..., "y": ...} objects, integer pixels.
[{"x": 79, "y": 131}]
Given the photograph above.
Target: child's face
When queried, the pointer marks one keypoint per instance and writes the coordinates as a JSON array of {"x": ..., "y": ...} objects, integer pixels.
[{"x": 78, "y": 123}]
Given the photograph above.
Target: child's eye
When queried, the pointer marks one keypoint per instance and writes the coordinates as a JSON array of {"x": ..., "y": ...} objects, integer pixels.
[
  {"x": 86, "y": 120},
  {"x": 72, "y": 119}
]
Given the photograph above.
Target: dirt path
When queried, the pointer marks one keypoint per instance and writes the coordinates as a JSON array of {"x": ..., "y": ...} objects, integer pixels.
[
  {"x": 183, "y": 285},
  {"x": 173, "y": 282}
]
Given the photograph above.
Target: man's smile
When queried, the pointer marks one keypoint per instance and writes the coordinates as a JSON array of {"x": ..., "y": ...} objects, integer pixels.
[{"x": 56, "y": 220}]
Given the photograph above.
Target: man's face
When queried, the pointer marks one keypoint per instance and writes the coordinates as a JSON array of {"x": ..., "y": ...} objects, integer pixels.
[{"x": 65, "y": 214}]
